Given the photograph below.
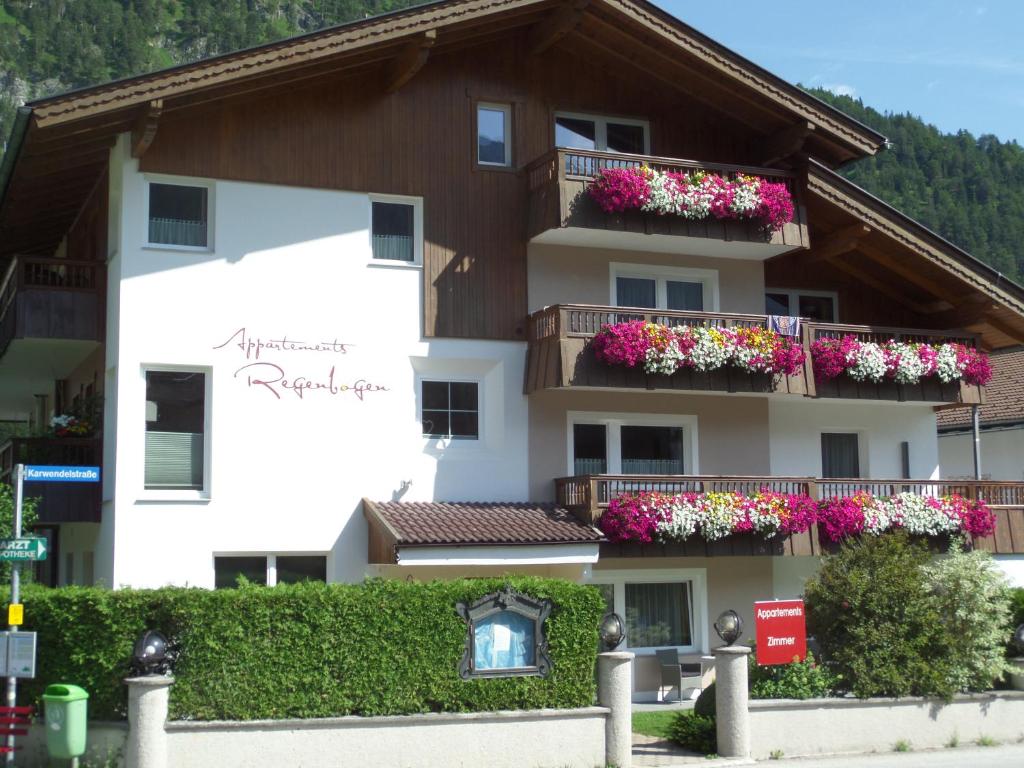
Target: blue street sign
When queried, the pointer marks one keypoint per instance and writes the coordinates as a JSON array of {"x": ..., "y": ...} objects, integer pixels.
[{"x": 43, "y": 474}]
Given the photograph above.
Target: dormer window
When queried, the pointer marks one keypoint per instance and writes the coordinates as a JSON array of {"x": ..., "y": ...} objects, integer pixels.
[{"x": 604, "y": 134}]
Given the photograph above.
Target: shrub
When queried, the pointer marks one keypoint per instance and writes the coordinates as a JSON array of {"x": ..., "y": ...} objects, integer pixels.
[
  {"x": 973, "y": 601},
  {"x": 1016, "y": 618},
  {"x": 695, "y": 732},
  {"x": 870, "y": 607},
  {"x": 308, "y": 650},
  {"x": 800, "y": 680},
  {"x": 705, "y": 703}
]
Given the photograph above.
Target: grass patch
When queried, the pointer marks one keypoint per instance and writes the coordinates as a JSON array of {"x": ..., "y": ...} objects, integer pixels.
[
  {"x": 987, "y": 741},
  {"x": 901, "y": 746},
  {"x": 653, "y": 723}
]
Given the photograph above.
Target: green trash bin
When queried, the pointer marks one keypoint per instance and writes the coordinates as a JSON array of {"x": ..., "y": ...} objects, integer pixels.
[{"x": 66, "y": 707}]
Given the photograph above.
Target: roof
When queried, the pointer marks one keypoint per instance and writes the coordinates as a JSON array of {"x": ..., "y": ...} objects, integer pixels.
[
  {"x": 474, "y": 523},
  {"x": 1004, "y": 396}
]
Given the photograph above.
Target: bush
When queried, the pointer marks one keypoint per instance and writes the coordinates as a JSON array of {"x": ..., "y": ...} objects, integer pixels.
[
  {"x": 880, "y": 632},
  {"x": 308, "y": 650},
  {"x": 695, "y": 732},
  {"x": 800, "y": 680},
  {"x": 1016, "y": 618},
  {"x": 705, "y": 703},
  {"x": 973, "y": 601}
]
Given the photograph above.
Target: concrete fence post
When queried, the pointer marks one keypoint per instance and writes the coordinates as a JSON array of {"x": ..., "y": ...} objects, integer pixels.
[
  {"x": 731, "y": 712},
  {"x": 615, "y": 691},
  {"x": 147, "y": 715}
]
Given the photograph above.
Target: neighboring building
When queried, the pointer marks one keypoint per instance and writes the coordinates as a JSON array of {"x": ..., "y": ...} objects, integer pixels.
[
  {"x": 1001, "y": 422},
  {"x": 361, "y": 264}
]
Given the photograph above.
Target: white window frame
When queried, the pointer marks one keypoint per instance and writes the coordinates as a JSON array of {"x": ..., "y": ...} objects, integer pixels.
[
  {"x": 506, "y": 110},
  {"x": 601, "y": 128},
  {"x": 862, "y": 450},
  {"x": 453, "y": 379},
  {"x": 794, "y": 294},
  {"x": 271, "y": 564},
  {"x": 417, "y": 230},
  {"x": 178, "y": 181},
  {"x": 661, "y": 275},
  {"x": 203, "y": 494},
  {"x": 699, "y": 608},
  {"x": 614, "y": 422}
]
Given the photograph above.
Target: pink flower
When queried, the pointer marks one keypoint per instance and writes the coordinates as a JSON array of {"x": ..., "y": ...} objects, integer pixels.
[
  {"x": 623, "y": 344},
  {"x": 975, "y": 365},
  {"x": 631, "y": 518},
  {"x": 776, "y": 208},
  {"x": 620, "y": 189}
]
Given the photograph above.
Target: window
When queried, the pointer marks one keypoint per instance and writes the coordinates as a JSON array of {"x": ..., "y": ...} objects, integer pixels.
[
  {"x": 662, "y": 445},
  {"x": 494, "y": 134},
  {"x": 451, "y": 410},
  {"x": 661, "y": 608},
  {"x": 175, "y": 430},
  {"x": 840, "y": 454},
  {"x": 608, "y": 134},
  {"x": 692, "y": 290},
  {"x": 393, "y": 231},
  {"x": 814, "y": 305},
  {"x": 659, "y": 615},
  {"x": 178, "y": 215},
  {"x": 505, "y": 636},
  {"x": 268, "y": 570}
]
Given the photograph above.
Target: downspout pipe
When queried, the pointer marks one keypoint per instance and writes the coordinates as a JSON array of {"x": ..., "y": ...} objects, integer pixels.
[{"x": 976, "y": 428}]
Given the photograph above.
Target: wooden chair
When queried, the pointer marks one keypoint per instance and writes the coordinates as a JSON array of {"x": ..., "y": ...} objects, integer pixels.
[{"x": 677, "y": 674}]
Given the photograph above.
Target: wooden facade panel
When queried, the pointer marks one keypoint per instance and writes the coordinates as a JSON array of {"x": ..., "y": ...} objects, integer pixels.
[{"x": 341, "y": 132}]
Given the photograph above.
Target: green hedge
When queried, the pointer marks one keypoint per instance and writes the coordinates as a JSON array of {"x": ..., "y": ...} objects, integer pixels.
[{"x": 308, "y": 650}]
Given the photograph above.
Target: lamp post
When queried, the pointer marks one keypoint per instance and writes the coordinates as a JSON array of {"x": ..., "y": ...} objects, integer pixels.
[
  {"x": 612, "y": 631},
  {"x": 615, "y": 691},
  {"x": 732, "y": 720},
  {"x": 1017, "y": 673},
  {"x": 148, "y": 694}
]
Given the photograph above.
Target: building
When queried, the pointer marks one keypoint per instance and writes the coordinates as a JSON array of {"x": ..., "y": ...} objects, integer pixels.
[{"x": 363, "y": 264}]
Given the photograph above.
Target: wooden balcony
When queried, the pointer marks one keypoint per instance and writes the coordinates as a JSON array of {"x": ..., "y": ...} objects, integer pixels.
[
  {"x": 929, "y": 390},
  {"x": 53, "y": 299},
  {"x": 58, "y": 502},
  {"x": 559, "y": 355},
  {"x": 560, "y": 211},
  {"x": 587, "y": 496}
]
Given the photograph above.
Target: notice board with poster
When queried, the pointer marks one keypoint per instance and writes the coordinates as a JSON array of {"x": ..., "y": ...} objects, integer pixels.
[{"x": 781, "y": 630}]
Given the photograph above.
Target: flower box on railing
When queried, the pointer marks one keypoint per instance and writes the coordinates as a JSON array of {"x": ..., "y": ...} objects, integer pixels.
[{"x": 902, "y": 362}]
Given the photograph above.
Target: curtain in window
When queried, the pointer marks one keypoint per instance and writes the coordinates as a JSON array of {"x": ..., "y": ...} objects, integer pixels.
[
  {"x": 658, "y": 615},
  {"x": 839, "y": 455},
  {"x": 635, "y": 292},
  {"x": 174, "y": 460},
  {"x": 504, "y": 641},
  {"x": 685, "y": 296}
]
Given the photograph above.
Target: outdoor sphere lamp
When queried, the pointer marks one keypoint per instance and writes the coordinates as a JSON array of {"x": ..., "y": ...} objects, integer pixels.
[
  {"x": 612, "y": 631},
  {"x": 729, "y": 626},
  {"x": 150, "y": 655}
]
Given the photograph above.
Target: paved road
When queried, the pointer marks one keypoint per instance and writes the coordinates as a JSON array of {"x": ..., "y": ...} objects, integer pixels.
[{"x": 1011, "y": 756}]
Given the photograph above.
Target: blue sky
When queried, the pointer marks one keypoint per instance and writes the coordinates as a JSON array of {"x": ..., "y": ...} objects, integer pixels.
[{"x": 954, "y": 64}]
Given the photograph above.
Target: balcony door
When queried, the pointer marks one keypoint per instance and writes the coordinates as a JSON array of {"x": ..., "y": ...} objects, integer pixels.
[
  {"x": 659, "y": 293},
  {"x": 617, "y": 448},
  {"x": 603, "y": 134}
]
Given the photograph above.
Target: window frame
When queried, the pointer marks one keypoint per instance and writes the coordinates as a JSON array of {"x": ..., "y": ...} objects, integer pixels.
[
  {"x": 793, "y": 296},
  {"x": 614, "y": 422},
  {"x": 506, "y": 109},
  {"x": 697, "y": 577},
  {"x": 663, "y": 275},
  {"x": 421, "y": 380},
  {"x": 270, "y": 564},
  {"x": 165, "y": 494},
  {"x": 417, "y": 229},
  {"x": 601, "y": 129},
  {"x": 177, "y": 181}
]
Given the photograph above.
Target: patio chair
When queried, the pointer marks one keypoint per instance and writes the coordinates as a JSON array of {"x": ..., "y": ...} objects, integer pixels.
[{"x": 677, "y": 674}]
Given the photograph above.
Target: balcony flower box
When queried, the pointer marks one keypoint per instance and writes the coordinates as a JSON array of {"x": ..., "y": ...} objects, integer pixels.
[{"x": 901, "y": 362}]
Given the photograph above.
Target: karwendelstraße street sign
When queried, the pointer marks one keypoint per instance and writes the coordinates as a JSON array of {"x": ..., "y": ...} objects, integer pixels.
[
  {"x": 27, "y": 548},
  {"x": 48, "y": 474}
]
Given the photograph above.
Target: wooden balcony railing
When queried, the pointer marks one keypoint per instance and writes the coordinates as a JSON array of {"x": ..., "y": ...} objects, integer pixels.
[
  {"x": 589, "y": 495},
  {"x": 58, "y": 502},
  {"x": 930, "y": 389},
  {"x": 559, "y": 355},
  {"x": 51, "y": 298},
  {"x": 558, "y": 179}
]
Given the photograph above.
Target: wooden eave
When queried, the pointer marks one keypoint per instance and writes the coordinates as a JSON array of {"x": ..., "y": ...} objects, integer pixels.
[
  {"x": 62, "y": 131},
  {"x": 897, "y": 256}
]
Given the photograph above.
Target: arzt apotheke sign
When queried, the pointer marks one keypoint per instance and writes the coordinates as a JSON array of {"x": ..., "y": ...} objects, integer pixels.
[{"x": 781, "y": 629}]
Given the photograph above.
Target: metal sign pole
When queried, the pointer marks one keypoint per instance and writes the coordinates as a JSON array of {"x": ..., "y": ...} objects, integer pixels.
[{"x": 12, "y": 682}]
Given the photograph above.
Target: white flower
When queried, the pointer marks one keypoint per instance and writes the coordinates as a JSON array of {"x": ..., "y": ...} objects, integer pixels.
[
  {"x": 709, "y": 352},
  {"x": 868, "y": 363},
  {"x": 665, "y": 361},
  {"x": 910, "y": 368},
  {"x": 946, "y": 364},
  {"x": 664, "y": 194},
  {"x": 746, "y": 197},
  {"x": 680, "y": 525}
]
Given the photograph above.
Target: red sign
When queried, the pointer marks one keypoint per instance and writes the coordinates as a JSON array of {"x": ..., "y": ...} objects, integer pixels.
[{"x": 781, "y": 631}]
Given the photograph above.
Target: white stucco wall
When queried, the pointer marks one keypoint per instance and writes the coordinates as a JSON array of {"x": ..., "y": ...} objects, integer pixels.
[
  {"x": 1002, "y": 454},
  {"x": 796, "y": 426},
  {"x": 288, "y": 468}
]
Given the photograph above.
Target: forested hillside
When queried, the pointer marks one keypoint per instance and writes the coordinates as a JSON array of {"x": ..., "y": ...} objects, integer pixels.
[{"x": 970, "y": 190}]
